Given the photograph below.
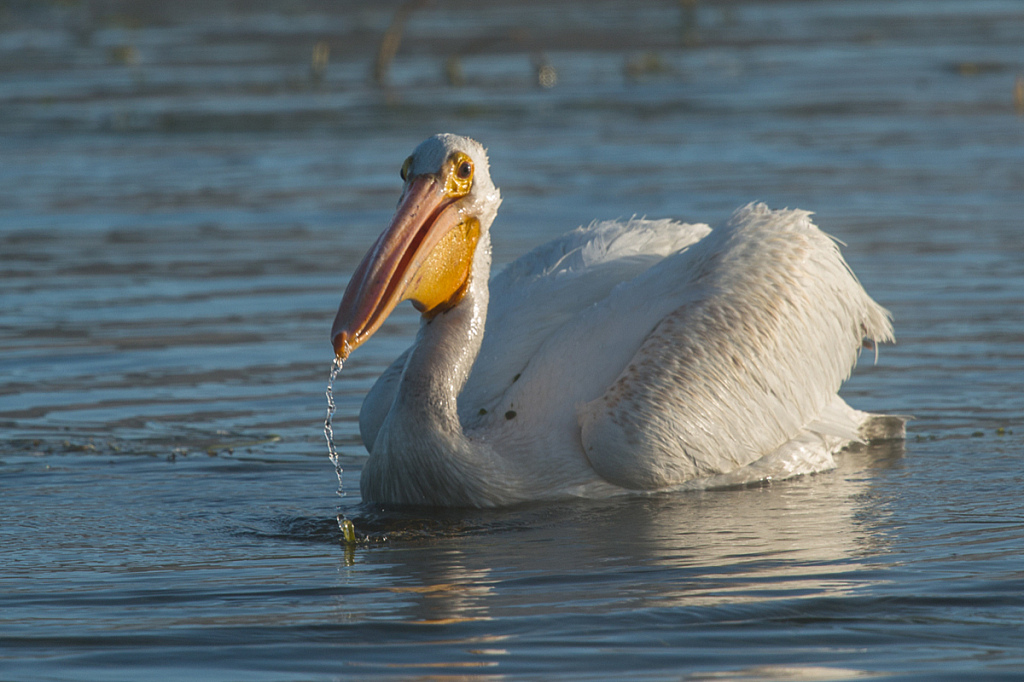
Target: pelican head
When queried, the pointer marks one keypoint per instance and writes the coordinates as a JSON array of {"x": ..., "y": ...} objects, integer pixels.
[{"x": 426, "y": 254}]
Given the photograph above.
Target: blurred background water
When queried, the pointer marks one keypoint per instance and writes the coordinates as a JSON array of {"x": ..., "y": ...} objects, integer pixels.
[{"x": 185, "y": 188}]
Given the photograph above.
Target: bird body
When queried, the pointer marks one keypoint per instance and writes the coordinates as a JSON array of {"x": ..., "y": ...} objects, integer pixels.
[{"x": 640, "y": 355}]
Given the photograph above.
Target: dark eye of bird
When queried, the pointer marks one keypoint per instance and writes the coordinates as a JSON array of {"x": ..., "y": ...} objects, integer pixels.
[
  {"x": 465, "y": 169},
  {"x": 405, "y": 169}
]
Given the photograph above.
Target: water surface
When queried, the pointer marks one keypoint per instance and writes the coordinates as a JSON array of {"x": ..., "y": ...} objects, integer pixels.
[{"x": 183, "y": 195}]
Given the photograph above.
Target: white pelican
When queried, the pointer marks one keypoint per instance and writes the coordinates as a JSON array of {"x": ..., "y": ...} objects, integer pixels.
[{"x": 626, "y": 356}]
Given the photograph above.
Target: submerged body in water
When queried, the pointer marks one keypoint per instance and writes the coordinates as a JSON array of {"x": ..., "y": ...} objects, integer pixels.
[{"x": 626, "y": 356}]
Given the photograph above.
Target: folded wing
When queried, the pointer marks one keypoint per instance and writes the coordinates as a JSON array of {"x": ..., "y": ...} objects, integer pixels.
[{"x": 769, "y": 324}]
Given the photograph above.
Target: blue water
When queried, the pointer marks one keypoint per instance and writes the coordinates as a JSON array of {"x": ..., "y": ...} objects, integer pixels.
[{"x": 183, "y": 196}]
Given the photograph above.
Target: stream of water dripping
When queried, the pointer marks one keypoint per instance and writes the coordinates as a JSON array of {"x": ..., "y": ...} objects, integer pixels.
[
  {"x": 348, "y": 530},
  {"x": 328, "y": 422}
]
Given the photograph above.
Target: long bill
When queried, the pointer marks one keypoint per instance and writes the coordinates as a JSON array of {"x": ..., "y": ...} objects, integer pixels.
[{"x": 424, "y": 255}]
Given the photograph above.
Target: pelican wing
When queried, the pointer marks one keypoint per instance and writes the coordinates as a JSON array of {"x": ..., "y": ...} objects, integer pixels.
[
  {"x": 766, "y": 326},
  {"x": 550, "y": 287}
]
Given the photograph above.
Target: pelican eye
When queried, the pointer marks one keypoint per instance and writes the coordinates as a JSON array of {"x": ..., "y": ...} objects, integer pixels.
[
  {"x": 458, "y": 174},
  {"x": 405, "y": 169}
]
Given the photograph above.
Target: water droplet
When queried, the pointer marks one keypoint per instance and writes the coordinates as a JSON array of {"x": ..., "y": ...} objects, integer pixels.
[{"x": 328, "y": 427}]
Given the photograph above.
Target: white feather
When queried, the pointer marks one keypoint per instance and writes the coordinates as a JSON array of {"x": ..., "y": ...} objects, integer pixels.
[{"x": 639, "y": 355}]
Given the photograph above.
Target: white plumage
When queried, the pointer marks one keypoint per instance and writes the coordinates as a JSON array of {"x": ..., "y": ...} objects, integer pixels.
[{"x": 625, "y": 356}]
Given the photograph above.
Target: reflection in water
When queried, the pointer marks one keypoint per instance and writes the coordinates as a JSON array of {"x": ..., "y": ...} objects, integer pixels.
[
  {"x": 448, "y": 592},
  {"x": 801, "y": 538},
  {"x": 789, "y": 673}
]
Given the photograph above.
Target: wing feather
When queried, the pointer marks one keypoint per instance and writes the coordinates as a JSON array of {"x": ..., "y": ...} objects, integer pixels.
[
  {"x": 770, "y": 324},
  {"x": 545, "y": 289}
]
